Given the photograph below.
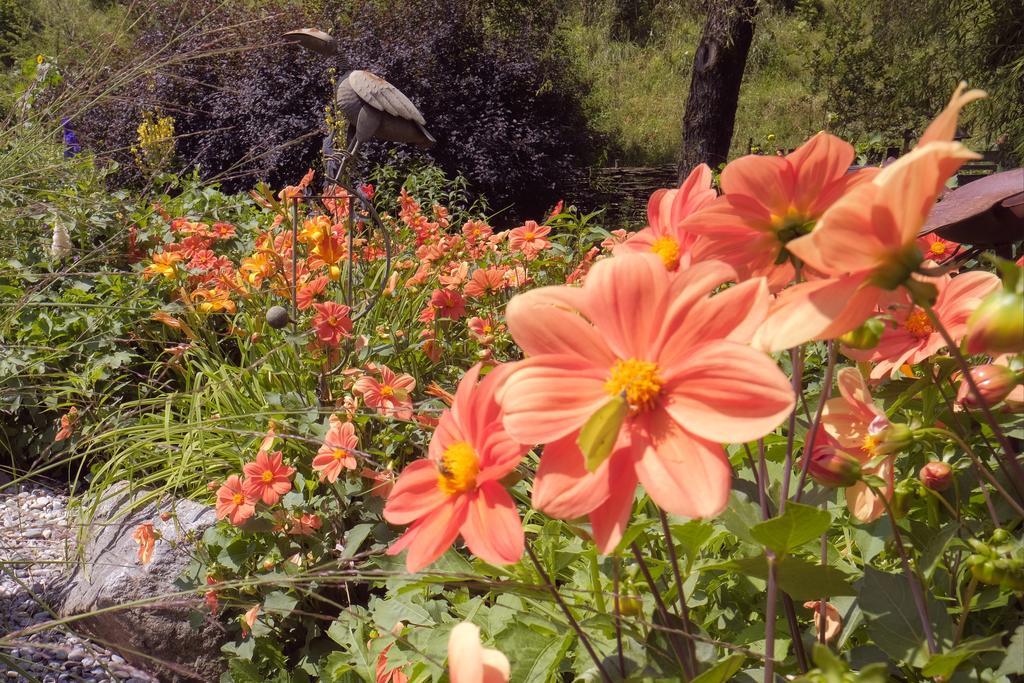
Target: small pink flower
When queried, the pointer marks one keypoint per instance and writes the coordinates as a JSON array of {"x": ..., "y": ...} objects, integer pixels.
[
  {"x": 909, "y": 337},
  {"x": 249, "y": 619},
  {"x": 448, "y": 303},
  {"x": 937, "y": 249},
  {"x": 530, "y": 239},
  {"x": 457, "y": 489},
  {"x": 335, "y": 454},
  {"x": 833, "y": 622},
  {"x": 485, "y": 282},
  {"x": 233, "y": 503},
  {"x": 267, "y": 478},
  {"x": 390, "y": 395},
  {"x": 332, "y": 323},
  {"x": 861, "y": 429},
  {"x": 665, "y": 235}
]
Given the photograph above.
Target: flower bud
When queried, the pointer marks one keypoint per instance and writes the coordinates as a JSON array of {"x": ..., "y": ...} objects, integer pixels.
[
  {"x": 994, "y": 382},
  {"x": 936, "y": 475},
  {"x": 864, "y": 337},
  {"x": 832, "y": 467},
  {"x": 997, "y": 325},
  {"x": 895, "y": 438},
  {"x": 630, "y": 605}
]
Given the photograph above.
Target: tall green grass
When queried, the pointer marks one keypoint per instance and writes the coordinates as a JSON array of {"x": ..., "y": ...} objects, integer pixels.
[{"x": 639, "y": 90}]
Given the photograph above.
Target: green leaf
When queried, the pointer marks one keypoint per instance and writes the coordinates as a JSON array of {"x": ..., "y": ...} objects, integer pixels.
[
  {"x": 893, "y": 621},
  {"x": 1013, "y": 663},
  {"x": 354, "y": 539},
  {"x": 280, "y": 604},
  {"x": 798, "y": 577},
  {"x": 739, "y": 516},
  {"x": 243, "y": 671},
  {"x": 349, "y": 632},
  {"x": 934, "y": 550},
  {"x": 722, "y": 671},
  {"x": 387, "y": 613},
  {"x": 799, "y": 524},
  {"x": 828, "y": 661},
  {"x": 335, "y": 669},
  {"x": 235, "y": 554},
  {"x": 597, "y": 438},
  {"x": 945, "y": 663}
]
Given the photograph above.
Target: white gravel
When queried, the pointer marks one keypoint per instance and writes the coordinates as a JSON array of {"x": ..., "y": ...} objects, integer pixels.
[{"x": 36, "y": 548}]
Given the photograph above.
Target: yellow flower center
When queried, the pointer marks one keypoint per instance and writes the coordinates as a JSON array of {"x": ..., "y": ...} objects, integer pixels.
[
  {"x": 667, "y": 250},
  {"x": 937, "y": 248},
  {"x": 638, "y": 379},
  {"x": 332, "y": 321},
  {"x": 387, "y": 391},
  {"x": 338, "y": 453},
  {"x": 869, "y": 444},
  {"x": 528, "y": 235},
  {"x": 267, "y": 476},
  {"x": 458, "y": 469},
  {"x": 238, "y": 499},
  {"x": 918, "y": 324}
]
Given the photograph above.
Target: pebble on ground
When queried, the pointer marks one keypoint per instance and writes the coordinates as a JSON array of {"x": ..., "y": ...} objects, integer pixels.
[{"x": 36, "y": 551}]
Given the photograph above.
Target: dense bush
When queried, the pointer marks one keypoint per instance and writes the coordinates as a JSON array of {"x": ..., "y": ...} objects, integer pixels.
[{"x": 246, "y": 107}]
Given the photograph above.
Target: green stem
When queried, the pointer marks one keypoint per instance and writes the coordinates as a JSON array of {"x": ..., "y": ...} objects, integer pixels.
[
  {"x": 769, "y": 622},
  {"x": 968, "y": 597},
  {"x": 595, "y": 581},
  {"x": 684, "y": 610},
  {"x": 659, "y": 603},
  {"x": 568, "y": 614}
]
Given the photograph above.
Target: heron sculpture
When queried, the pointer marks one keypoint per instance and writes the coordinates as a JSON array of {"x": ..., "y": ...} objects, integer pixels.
[{"x": 372, "y": 107}]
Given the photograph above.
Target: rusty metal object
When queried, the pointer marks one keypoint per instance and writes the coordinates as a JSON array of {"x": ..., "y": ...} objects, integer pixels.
[
  {"x": 372, "y": 107},
  {"x": 986, "y": 212}
]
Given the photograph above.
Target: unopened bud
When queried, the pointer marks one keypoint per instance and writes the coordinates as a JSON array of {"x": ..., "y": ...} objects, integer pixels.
[
  {"x": 994, "y": 382},
  {"x": 864, "y": 337},
  {"x": 896, "y": 438},
  {"x": 832, "y": 467},
  {"x": 277, "y": 317},
  {"x": 997, "y": 325},
  {"x": 936, "y": 476}
]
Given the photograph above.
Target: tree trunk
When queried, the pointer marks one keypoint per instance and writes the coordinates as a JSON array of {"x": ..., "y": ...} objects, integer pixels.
[{"x": 718, "y": 66}]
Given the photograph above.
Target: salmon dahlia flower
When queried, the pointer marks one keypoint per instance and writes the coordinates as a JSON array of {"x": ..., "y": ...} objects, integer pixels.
[
  {"x": 456, "y": 489},
  {"x": 267, "y": 478},
  {"x": 909, "y": 336},
  {"x": 390, "y": 395},
  {"x": 860, "y": 428},
  {"x": 666, "y": 209},
  {"x": 233, "y": 503},
  {"x": 680, "y": 359},
  {"x": 332, "y": 323},
  {"x": 768, "y": 201},
  {"x": 865, "y": 244},
  {"x": 335, "y": 454},
  {"x": 530, "y": 239},
  {"x": 470, "y": 662}
]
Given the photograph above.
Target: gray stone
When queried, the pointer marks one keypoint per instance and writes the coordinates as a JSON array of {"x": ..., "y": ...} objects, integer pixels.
[
  {"x": 110, "y": 576},
  {"x": 77, "y": 654},
  {"x": 32, "y": 534}
]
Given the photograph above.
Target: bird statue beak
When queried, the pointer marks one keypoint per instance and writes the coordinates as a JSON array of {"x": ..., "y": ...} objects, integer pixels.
[{"x": 313, "y": 39}]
